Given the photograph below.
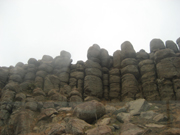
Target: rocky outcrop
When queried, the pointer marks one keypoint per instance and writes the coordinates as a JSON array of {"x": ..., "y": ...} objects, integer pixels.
[{"x": 47, "y": 85}]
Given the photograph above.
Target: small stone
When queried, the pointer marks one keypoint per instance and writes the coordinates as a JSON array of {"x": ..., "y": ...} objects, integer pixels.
[
  {"x": 160, "y": 118},
  {"x": 154, "y": 125}
]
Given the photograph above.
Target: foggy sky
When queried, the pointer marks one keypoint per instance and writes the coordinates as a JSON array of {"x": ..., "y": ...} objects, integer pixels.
[{"x": 33, "y": 28}]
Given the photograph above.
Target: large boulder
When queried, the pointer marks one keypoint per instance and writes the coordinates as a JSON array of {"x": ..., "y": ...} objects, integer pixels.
[
  {"x": 164, "y": 53},
  {"x": 65, "y": 54},
  {"x": 104, "y": 57},
  {"x": 93, "y": 51},
  {"x": 156, "y": 44},
  {"x": 51, "y": 82},
  {"x": 93, "y": 71},
  {"x": 171, "y": 45},
  {"x": 127, "y": 50},
  {"x": 168, "y": 68},
  {"x": 93, "y": 86},
  {"x": 89, "y": 111}
]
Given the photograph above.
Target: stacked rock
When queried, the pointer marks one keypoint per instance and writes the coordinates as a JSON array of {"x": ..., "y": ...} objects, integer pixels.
[
  {"x": 148, "y": 80},
  {"x": 45, "y": 68},
  {"x": 4, "y": 73},
  {"x": 167, "y": 65},
  {"x": 114, "y": 83},
  {"x": 62, "y": 67},
  {"x": 77, "y": 76},
  {"x": 93, "y": 73},
  {"x": 105, "y": 63},
  {"x": 17, "y": 73},
  {"x": 75, "y": 98},
  {"x": 129, "y": 72}
]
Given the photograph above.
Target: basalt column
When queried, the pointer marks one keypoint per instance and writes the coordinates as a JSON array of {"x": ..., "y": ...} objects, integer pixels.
[
  {"x": 62, "y": 71},
  {"x": 106, "y": 64},
  {"x": 93, "y": 74},
  {"x": 129, "y": 72},
  {"x": 77, "y": 76},
  {"x": 167, "y": 65}
]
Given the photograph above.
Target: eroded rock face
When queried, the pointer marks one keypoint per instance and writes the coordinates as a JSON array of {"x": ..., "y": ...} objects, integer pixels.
[
  {"x": 89, "y": 111},
  {"x": 51, "y": 83}
]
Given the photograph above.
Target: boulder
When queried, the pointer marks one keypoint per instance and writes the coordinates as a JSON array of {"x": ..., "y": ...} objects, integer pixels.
[
  {"x": 46, "y": 67},
  {"x": 100, "y": 130},
  {"x": 51, "y": 82},
  {"x": 117, "y": 58},
  {"x": 93, "y": 71},
  {"x": 93, "y": 51},
  {"x": 92, "y": 64},
  {"x": 65, "y": 54},
  {"x": 38, "y": 92},
  {"x": 77, "y": 75},
  {"x": 164, "y": 53},
  {"x": 137, "y": 106},
  {"x": 31, "y": 105},
  {"x": 33, "y": 61},
  {"x": 64, "y": 77},
  {"x": 171, "y": 45},
  {"x": 20, "y": 97},
  {"x": 127, "y": 50},
  {"x": 41, "y": 73},
  {"x": 30, "y": 76},
  {"x": 114, "y": 71},
  {"x": 142, "y": 55},
  {"x": 168, "y": 68},
  {"x": 75, "y": 100},
  {"x": 4, "y": 74},
  {"x": 89, "y": 111},
  {"x": 131, "y": 69},
  {"x": 93, "y": 86},
  {"x": 128, "y": 61},
  {"x": 156, "y": 44},
  {"x": 47, "y": 58},
  {"x": 76, "y": 126}
]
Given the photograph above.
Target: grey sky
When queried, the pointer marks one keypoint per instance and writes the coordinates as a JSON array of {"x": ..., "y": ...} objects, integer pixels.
[{"x": 32, "y": 28}]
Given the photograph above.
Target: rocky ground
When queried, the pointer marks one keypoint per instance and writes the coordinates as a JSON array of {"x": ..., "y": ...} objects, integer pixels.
[{"x": 137, "y": 117}]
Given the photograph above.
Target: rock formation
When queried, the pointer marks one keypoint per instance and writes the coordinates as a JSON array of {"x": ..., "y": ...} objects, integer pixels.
[{"x": 47, "y": 85}]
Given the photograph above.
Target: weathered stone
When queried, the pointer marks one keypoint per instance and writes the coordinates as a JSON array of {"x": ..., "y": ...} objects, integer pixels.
[
  {"x": 39, "y": 82},
  {"x": 3, "y": 74},
  {"x": 31, "y": 105},
  {"x": 93, "y": 71},
  {"x": 168, "y": 68},
  {"x": 38, "y": 92},
  {"x": 65, "y": 54},
  {"x": 19, "y": 64},
  {"x": 46, "y": 67},
  {"x": 77, "y": 75},
  {"x": 15, "y": 78},
  {"x": 61, "y": 100},
  {"x": 41, "y": 73},
  {"x": 132, "y": 69},
  {"x": 147, "y": 68},
  {"x": 148, "y": 114},
  {"x": 127, "y": 50},
  {"x": 117, "y": 58},
  {"x": 138, "y": 106},
  {"x": 54, "y": 129},
  {"x": 92, "y": 64},
  {"x": 128, "y": 61},
  {"x": 93, "y": 51},
  {"x": 30, "y": 76},
  {"x": 164, "y": 53},
  {"x": 20, "y": 97},
  {"x": 18, "y": 70},
  {"x": 64, "y": 77},
  {"x": 60, "y": 62},
  {"x": 129, "y": 86},
  {"x": 145, "y": 62},
  {"x": 156, "y": 44},
  {"x": 48, "y": 104},
  {"x": 110, "y": 109},
  {"x": 100, "y": 130},
  {"x": 90, "y": 98},
  {"x": 75, "y": 100},
  {"x": 114, "y": 71},
  {"x": 171, "y": 131},
  {"x": 76, "y": 126},
  {"x": 93, "y": 86},
  {"x": 123, "y": 117},
  {"x": 171, "y": 45},
  {"x": 160, "y": 118},
  {"x": 33, "y": 61},
  {"x": 131, "y": 129},
  {"x": 114, "y": 79},
  {"x": 89, "y": 111},
  {"x": 142, "y": 55},
  {"x": 149, "y": 77},
  {"x": 51, "y": 82},
  {"x": 8, "y": 96},
  {"x": 47, "y": 58}
]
